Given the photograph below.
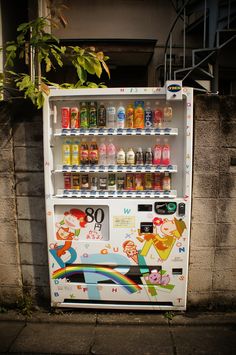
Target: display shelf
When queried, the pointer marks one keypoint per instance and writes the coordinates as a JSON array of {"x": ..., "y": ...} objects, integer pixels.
[
  {"x": 62, "y": 193},
  {"x": 115, "y": 169},
  {"x": 116, "y": 132}
]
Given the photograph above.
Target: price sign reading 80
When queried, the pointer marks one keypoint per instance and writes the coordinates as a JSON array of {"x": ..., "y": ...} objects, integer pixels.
[{"x": 96, "y": 215}]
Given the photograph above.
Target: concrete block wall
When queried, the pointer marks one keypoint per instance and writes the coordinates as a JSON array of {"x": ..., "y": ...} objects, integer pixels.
[
  {"x": 28, "y": 157},
  {"x": 212, "y": 270},
  {"x": 212, "y": 273},
  {"x": 10, "y": 275}
]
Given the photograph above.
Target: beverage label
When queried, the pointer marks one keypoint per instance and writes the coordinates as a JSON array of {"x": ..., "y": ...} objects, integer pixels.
[
  {"x": 102, "y": 116},
  {"x": 139, "y": 158},
  {"x": 93, "y": 156},
  {"x": 130, "y": 117},
  {"x": 148, "y": 118},
  {"x": 148, "y": 182},
  {"x": 157, "y": 155},
  {"x": 139, "y": 117},
  {"x": 138, "y": 182},
  {"x": 84, "y": 182},
  {"x": 94, "y": 183},
  {"x": 103, "y": 183},
  {"x": 112, "y": 182},
  {"x": 65, "y": 117},
  {"x": 74, "y": 117},
  {"x": 120, "y": 117},
  {"x": 67, "y": 181},
  {"x": 166, "y": 155},
  {"x": 66, "y": 149},
  {"x": 130, "y": 158},
  {"x": 167, "y": 113},
  {"x": 157, "y": 182},
  {"x": 166, "y": 183},
  {"x": 111, "y": 116},
  {"x": 76, "y": 181},
  {"x": 84, "y": 154},
  {"x": 129, "y": 182},
  {"x": 120, "y": 183},
  {"x": 157, "y": 118},
  {"x": 84, "y": 122},
  {"x": 121, "y": 157},
  {"x": 92, "y": 116},
  {"x": 75, "y": 154}
]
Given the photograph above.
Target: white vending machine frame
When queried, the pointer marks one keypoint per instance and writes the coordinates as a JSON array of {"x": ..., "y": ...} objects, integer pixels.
[{"x": 119, "y": 249}]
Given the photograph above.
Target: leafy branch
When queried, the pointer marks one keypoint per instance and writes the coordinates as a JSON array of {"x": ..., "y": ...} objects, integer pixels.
[{"x": 44, "y": 50}]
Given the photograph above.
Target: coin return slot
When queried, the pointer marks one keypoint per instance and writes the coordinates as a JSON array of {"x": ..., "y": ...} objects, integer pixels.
[{"x": 177, "y": 271}]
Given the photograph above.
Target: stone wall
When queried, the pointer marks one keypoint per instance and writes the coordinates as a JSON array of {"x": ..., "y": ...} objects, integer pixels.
[
  {"x": 212, "y": 276},
  {"x": 212, "y": 270},
  {"x": 10, "y": 275}
]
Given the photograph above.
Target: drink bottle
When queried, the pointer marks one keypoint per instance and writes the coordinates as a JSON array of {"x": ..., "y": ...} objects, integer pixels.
[
  {"x": 111, "y": 116},
  {"x": 157, "y": 153},
  {"x": 166, "y": 182},
  {"x": 130, "y": 116},
  {"x": 102, "y": 153},
  {"x": 157, "y": 117},
  {"x": 139, "y": 115},
  {"x": 66, "y": 152},
  {"x": 139, "y": 157},
  {"x": 148, "y": 156},
  {"x": 74, "y": 117},
  {"x": 165, "y": 153},
  {"x": 121, "y": 116},
  {"x": 130, "y": 157},
  {"x": 84, "y": 153},
  {"x": 101, "y": 119},
  {"x": 93, "y": 153},
  {"x": 92, "y": 115},
  {"x": 84, "y": 121},
  {"x": 75, "y": 152},
  {"x": 120, "y": 159},
  {"x": 111, "y": 153},
  {"x": 148, "y": 116}
]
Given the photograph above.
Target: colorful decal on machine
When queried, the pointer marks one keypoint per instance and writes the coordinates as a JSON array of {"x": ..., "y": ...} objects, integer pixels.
[
  {"x": 108, "y": 272},
  {"x": 158, "y": 280},
  {"x": 165, "y": 233}
]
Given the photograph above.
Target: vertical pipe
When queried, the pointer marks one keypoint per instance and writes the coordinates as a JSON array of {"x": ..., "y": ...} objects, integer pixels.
[
  {"x": 204, "y": 24},
  {"x": 229, "y": 9},
  {"x": 170, "y": 65},
  {"x": 165, "y": 69},
  {"x": 184, "y": 40}
]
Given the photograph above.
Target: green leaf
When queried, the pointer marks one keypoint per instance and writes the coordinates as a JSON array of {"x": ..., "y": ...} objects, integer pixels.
[
  {"x": 89, "y": 66},
  {"x": 11, "y": 47},
  {"x": 48, "y": 64},
  {"x": 105, "y": 67},
  {"x": 81, "y": 74},
  {"x": 98, "y": 69},
  {"x": 23, "y": 26}
]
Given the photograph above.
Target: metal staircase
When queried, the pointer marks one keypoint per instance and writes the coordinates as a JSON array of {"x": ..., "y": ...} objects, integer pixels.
[{"x": 212, "y": 23}]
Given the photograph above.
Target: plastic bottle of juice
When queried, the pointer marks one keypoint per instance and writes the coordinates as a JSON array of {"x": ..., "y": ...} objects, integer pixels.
[
  {"x": 111, "y": 153},
  {"x": 92, "y": 115},
  {"x": 101, "y": 119},
  {"x": 157, "y": 116},
  {"x": 84, "y": 121},
  {"x": 157, "y": 153},
  {"x": 130, "y": 157},
  {"x": 148, "y": 116},
  {"x": 139, "y": 157},
  {"x": 66, "y": 152},
  {"x": 111, "y": 115},
  {"x": 84, "y": 152},
  {"x": 166, "y": 182},
  {"x": 129, "y": 116},
  {"x": 121, "y": 116},
  {"x": 102, "y": 153},
  {"x": 139, "y": 116},
  {"x": 165, "y": 160},
  {"x": 93, "y": 153},
  {"x": 157, "y": 181},
  {"x": 75, "y": 152},
  {"x": 120, "y": 159},
  {"x": 167, "y": 114}
]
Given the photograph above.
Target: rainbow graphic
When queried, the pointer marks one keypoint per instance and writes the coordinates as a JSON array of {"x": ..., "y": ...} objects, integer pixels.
[{"x": 108, "y": 272}]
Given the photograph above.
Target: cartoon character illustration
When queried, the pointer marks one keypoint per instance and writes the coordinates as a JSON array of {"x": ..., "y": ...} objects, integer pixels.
[
  {"x": 131, "y": 250},
  {"x": 155, "y": 278},
  {"x": 171, "y": 230},
  {"x": 69, "y": 228}
]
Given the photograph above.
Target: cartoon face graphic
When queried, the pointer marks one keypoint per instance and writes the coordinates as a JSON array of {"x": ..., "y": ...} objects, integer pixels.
[
  {"x": 75, "y": 219},
  {"x": 168, "y": 226},
  {"x": 156, "y": 278},
  {"x": 130, "y": 250}
]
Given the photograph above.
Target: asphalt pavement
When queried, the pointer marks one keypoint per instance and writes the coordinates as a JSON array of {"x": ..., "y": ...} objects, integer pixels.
[{"x": 118, "y": 333}]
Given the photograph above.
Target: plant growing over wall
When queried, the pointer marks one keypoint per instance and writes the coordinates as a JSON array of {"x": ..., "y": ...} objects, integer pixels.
[{"x": 42, "y": 51}]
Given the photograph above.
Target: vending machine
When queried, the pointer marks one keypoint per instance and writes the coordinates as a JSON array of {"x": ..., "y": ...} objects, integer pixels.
[{"x": 118, "y": 171}]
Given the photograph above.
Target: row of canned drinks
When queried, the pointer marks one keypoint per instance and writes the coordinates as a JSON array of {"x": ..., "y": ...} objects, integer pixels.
[{"x": 120, "y": 182}]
